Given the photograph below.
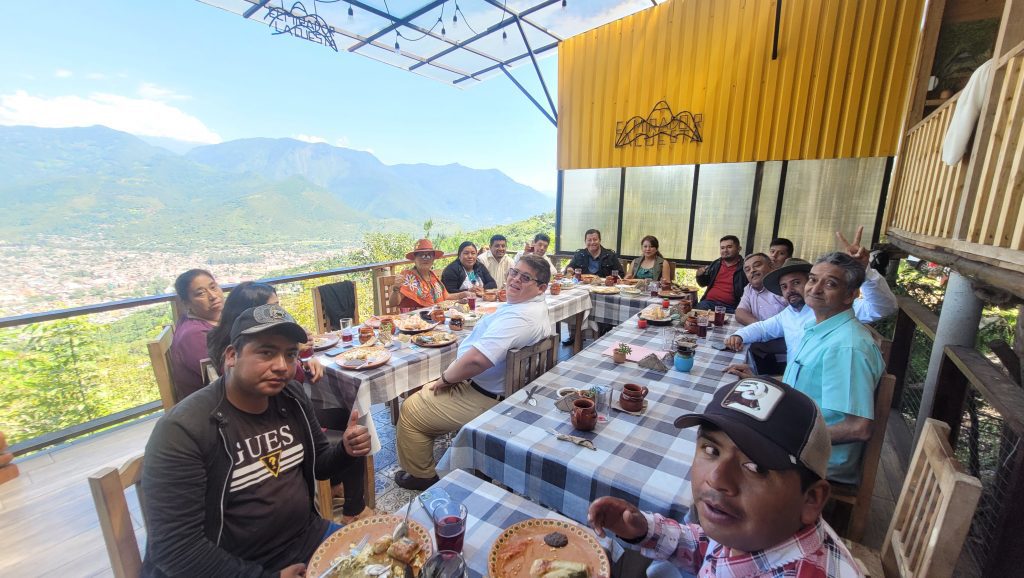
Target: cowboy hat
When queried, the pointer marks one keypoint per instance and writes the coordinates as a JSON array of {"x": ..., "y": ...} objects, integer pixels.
[{"x": 422, "y": 246}]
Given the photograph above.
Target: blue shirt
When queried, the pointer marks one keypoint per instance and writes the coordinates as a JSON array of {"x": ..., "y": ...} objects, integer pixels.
[{"x": 838, "y": 365}]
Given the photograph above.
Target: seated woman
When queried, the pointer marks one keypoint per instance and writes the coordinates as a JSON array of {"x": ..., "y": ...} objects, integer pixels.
[
  {"x": 203, "y": 301},
  {"x": 418, "y": 286},
  {"x": 467, "y": 273},
  {"x": 252, "y": 294},
  {"x": 652, "y": 265}
]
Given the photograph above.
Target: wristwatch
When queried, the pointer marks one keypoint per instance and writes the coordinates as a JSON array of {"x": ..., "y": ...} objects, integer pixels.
[{"x": 445, "y": 381}]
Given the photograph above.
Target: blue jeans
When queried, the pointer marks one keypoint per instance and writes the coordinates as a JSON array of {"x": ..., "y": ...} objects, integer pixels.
[{"x": 710, "y": 304}]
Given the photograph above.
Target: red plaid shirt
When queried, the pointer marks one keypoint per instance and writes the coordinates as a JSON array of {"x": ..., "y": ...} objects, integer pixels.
[{"x": 813, "y": 552}]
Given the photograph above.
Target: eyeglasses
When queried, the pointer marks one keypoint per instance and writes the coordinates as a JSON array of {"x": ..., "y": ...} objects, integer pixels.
[
  {"x": 424, "y": 255},
  {"x": 514, "y": 274}
]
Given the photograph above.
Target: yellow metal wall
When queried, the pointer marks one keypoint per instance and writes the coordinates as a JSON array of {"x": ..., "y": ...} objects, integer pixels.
[{"x": 837, "y": 89}]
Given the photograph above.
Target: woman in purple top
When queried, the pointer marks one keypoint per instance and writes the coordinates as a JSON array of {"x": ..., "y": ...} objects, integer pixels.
[{"x": 203, "y": 299}]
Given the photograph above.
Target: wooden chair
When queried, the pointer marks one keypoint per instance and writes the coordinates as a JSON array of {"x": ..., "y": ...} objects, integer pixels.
[
  {"x": 384, "y": 285},
  {"x": 108, "y": 486},
  {"x": 526, "y": 364},
  {"x": 932, "y": 515},
  {"x": 324, "y": 494},
  {"x": 884, "y": 344},
  {"x": 858, "y": 498},
  {"x": 320, "y": 317},
  {"x": 160, "y": 358}
]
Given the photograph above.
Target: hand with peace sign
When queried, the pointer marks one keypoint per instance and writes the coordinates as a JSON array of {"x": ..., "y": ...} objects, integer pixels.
[{"x": 854, "y": 249}]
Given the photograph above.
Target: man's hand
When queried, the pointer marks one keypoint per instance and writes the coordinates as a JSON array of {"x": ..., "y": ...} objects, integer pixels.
[
  {"x": 619, "y": 516},
  {"x": 701, "y": 270},
  {"x": 734, "y": 342},
  {"x": 356, "y": 438},
  {"x": 316, "y": 369},
  {"x": 294, "y": 571},
  {"x": 854, "y": 249},
  {"x": 741, "y": 369},
  {"x": 437, "y": 386}
]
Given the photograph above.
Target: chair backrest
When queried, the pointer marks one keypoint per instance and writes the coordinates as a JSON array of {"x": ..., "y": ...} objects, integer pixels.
[
  {"x": 208, "y": 370},
  {"x": 108, "y": 486},
  {"x": 384, "y": 285},
  {"x": 884, "y": 344},
  {"x": 870, "y": 459},
  {"x": 160, "y": 359},
  {"x": 934, "y": 511},
  {"x": 333, "y": 301},
  {"x": 526, "y": 364}
]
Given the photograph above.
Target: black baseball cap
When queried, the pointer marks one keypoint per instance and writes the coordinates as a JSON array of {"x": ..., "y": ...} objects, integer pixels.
[
  {"x": 264, "y": 318},
  {"x": 771, "y": 280},
  {"x": 773, "y": 424}
]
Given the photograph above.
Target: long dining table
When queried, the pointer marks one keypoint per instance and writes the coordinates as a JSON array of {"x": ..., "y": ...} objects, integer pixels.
[
  {"x": 642, "y": 458},
  {"x": 412, "y": 366}
]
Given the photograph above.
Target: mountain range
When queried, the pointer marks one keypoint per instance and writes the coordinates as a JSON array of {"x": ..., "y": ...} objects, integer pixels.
[{"x": 97, "y": 182}]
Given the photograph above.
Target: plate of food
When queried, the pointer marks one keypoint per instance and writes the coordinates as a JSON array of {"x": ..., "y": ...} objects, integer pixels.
[
  {"x": 655, "y": 315},
  {"x": 434, "y": 339},
  {"x": 363, "y": 357},
  {"x": 469, "y": 318},
  {"x": 541, "y": 547},
  {"x": 374, "y": 320},
  {"x": 325, "y": 341},
  {"x": 629, "y": 289},
  {"x": 672, "y": 293},
  {"x": 414, "y": 324},
  {"x": 587, "y": 278},
  {"x": 603, "y": 290},
  {"x": 380, "y": 554}
]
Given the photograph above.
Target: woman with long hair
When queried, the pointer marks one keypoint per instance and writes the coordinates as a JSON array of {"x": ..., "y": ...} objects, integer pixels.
[
  {"x": 467, "y": 273},
  {"x": 202, "y": 301},
  {"x": 651, "y": 264}
]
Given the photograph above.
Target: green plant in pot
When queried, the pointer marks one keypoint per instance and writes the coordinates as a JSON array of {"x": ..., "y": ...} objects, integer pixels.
[{"x": 620, "y": 353}]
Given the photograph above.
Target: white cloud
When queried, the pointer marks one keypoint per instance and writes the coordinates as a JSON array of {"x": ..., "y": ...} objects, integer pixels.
[
  {"x": 310, "y": 138},
  {"x": 133, "y": 115},
  {"x": 62, "y": 73},
  {"x": 150, "y": 91}
]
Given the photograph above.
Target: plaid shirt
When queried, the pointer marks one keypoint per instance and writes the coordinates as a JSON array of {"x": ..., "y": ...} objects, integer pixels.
[{"x": 813, "y": 552}]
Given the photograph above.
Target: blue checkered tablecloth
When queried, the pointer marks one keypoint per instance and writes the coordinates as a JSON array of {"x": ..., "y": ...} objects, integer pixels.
[
  {"x": 614, "y": 309},
  {"x": 491, "y": 510},
  {"x": 644, "y": 459}
]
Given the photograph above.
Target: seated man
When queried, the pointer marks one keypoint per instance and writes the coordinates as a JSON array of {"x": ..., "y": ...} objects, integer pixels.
[
  {"x": 758, "y": 304},
  {"x": 497, "y": 260},
  {"x": 837, "y": 362},
  {"x": 475, "y": 382},
  {"x": 594, "y": 259},
  {"x": 779, "y": 250},
  {"x": 724, "y": 277},
  {"x": 538, "y": 247},
  {"x": 758, "y": 487},
  {"x": 876, "y": 302},
  {"x": 229, "y": 472}
]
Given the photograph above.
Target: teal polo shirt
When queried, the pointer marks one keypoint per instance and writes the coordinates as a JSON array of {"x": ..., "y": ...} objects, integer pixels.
[{"x": 838, "y": 365}]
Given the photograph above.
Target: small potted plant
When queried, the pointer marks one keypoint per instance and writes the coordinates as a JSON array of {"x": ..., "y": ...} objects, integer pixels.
[{"x": 620, "y": 353}]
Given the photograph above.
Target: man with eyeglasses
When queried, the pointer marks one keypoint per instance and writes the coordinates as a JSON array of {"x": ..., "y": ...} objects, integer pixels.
[{"x": 475, "y": 382}]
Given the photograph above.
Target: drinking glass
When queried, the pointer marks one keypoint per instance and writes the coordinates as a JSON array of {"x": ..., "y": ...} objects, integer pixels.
[
  {"x": 449, "y": 525},
  {"x": 668, "y": 339},
  {"x": 702, "y": 326},
  {"x": 719, "y": 315},
  {"x": 603, "y": 402},
  {"x": 345, "y": 324},
  {"x": 445, "y": 564}
]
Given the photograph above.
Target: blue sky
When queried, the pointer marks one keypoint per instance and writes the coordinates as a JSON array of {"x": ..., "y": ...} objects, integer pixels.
[{"x": 186, "y": 70}]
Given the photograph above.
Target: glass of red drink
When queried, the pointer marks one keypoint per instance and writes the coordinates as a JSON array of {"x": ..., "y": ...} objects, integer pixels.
[
  {"x": 702, "y": 326},
  {"x": 719, "y": 315},
  {"x": 471, "y": 301},
  {"x": 449, "y": 525},
  {"x": 306, "y": 352}
]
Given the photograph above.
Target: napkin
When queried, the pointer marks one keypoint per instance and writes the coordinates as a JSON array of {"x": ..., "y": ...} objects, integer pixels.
[
  {"x": 651, "y": 361},
  {"x": 582, "y": 442}
]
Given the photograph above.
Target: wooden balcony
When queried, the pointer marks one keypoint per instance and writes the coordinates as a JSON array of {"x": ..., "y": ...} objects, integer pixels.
[{"x": 970, "y": 214}]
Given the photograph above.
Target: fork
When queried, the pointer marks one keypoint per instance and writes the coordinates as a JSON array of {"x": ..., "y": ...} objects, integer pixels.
[
  {"x": 353, "y": 552},
  {"x": 529, "y": 395}
]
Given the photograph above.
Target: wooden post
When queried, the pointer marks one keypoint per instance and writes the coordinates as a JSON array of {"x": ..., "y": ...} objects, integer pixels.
[
  {"x": 8, "y": 471},
  {"x": 899, "y": 353},
  {"x": 949, "y": 407}
]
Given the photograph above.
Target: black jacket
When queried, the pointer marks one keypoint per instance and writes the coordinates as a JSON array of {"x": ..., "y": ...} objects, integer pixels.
[
  {"x": 608, "y": 261},
  {"x": 739, "y": 280},
  {"x": 454, "y": 274},
  {"x": 185, "y": 474}
]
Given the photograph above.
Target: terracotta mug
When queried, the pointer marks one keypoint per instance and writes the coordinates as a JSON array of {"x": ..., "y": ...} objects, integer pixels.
[
  {"x": 609, "y": 281},
  {"x": 437, "y": 315},
  {"x": 556, "y": 288},
  {"x": 685, "y": 306},
  {"x": 632, "y": 397},
  {"x": 455, "y": 324},
  {"x": 690, "y": 325},
  {"x": 502, "y": 295},
  {"x": 584, "y": 415}
]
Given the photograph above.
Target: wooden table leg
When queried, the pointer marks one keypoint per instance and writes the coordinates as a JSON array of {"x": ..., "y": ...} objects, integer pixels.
[{"x": 577, "y": 334}]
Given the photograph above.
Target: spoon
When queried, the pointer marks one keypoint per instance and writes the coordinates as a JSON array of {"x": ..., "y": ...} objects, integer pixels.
[{"x": 402, "y": 529}]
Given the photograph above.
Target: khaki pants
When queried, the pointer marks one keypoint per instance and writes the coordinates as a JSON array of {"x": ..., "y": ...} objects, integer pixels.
[{"x": 426, "y": 416}]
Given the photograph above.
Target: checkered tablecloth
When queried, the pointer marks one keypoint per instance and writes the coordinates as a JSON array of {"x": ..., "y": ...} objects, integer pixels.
[
  {"x": 491, "y": 510},
  {"x": 614, "y": 309},
  {"x": 644, "y": 459},
  {"x": 412, "y": 366}
]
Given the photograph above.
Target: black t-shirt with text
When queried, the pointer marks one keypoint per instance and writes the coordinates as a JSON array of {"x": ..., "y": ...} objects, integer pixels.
[{"x": 268, "y": 512}]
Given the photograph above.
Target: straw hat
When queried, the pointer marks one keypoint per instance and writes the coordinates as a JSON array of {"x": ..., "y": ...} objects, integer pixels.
[{"x": 422, "y": 246}]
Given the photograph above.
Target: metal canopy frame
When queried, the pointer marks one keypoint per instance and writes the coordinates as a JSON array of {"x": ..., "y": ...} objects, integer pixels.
[{"x": 457, "y": 42}]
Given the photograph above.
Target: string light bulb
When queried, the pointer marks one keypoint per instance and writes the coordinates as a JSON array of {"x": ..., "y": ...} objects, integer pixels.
[
  {"x": 351, "y": 12},
  {"x": 398, "y": 49},
  {"x": 504, "y": 36},
  {"x": 563, "y": 3}
]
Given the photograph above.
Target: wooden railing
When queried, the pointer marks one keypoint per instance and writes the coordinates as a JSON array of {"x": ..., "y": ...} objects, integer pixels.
[{"x": 927, "y": 191}]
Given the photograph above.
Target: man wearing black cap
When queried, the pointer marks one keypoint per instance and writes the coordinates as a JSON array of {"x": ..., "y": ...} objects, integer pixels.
[
  {"x": 229, "y": 472},
  {"x": 758, "y": 488}
]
